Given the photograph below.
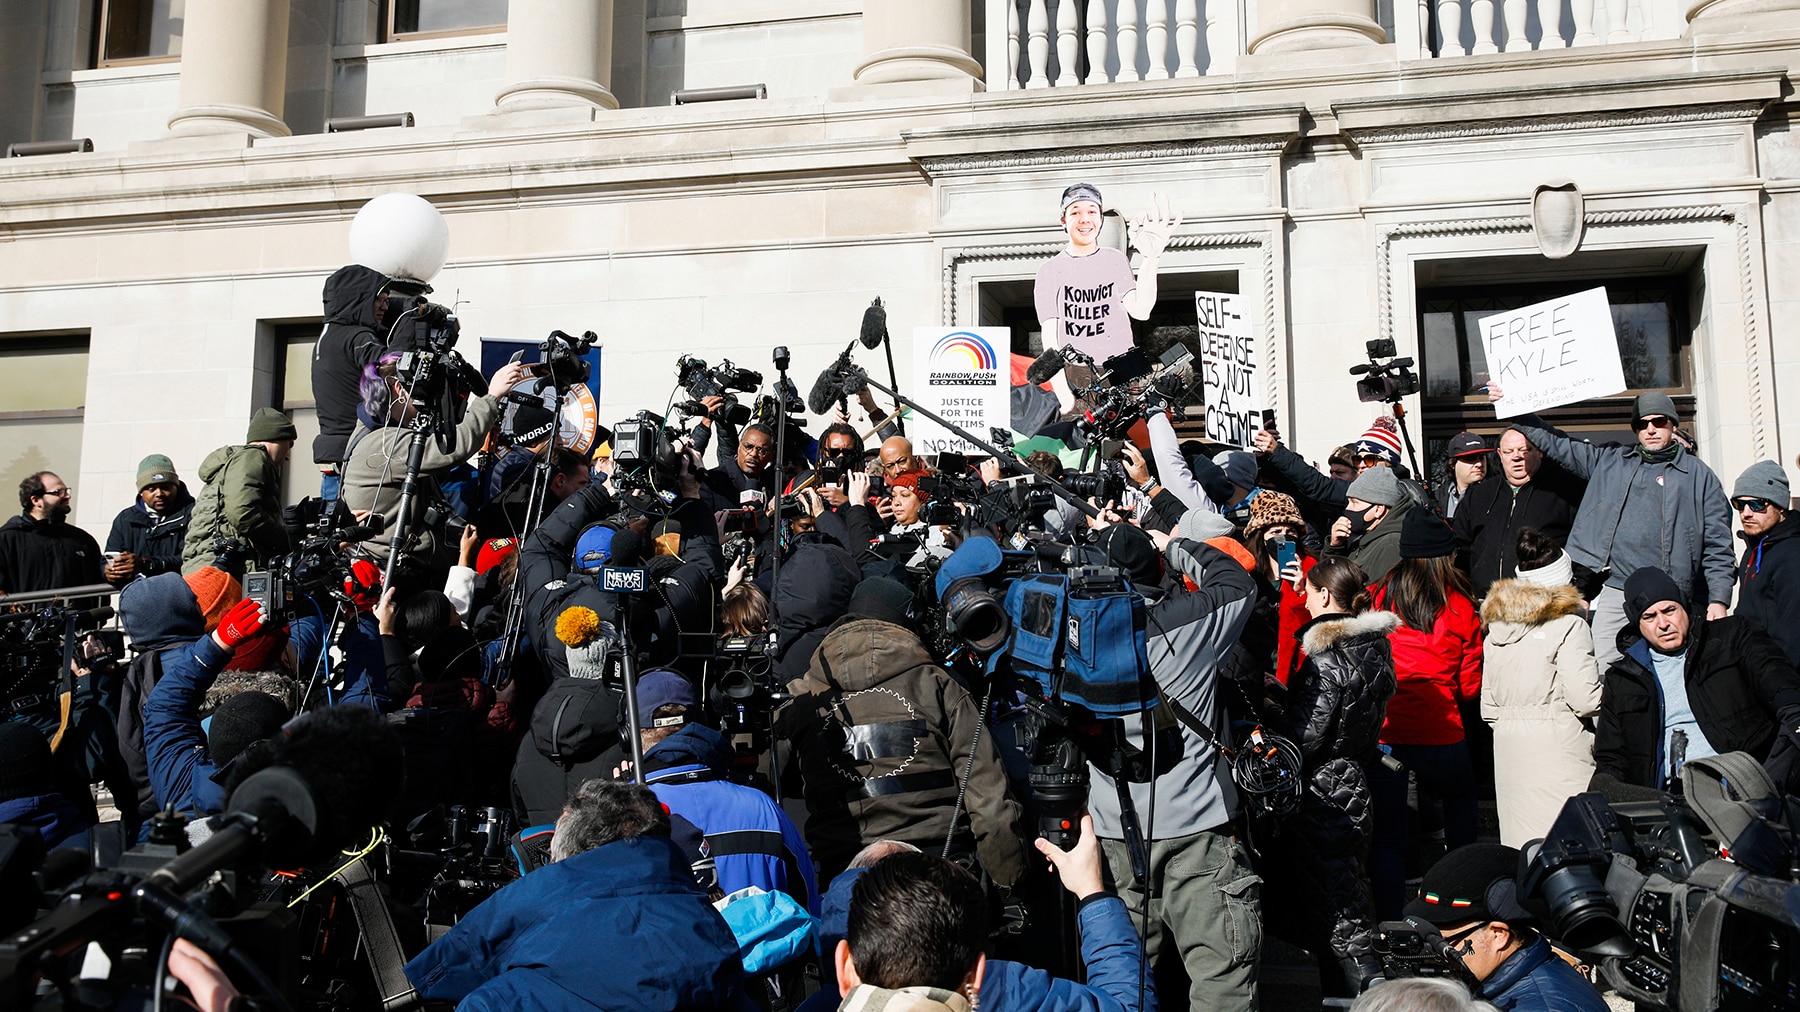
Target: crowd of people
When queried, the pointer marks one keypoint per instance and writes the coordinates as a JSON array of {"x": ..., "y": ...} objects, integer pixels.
[{"x": 1557, "y": 616}]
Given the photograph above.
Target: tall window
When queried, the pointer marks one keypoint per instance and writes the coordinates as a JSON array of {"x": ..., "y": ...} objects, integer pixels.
[
  {"x": 416, "y": 18},
  {"x": 1650, "y": 317},
  {"x": 130, "y": 31},
  {"x": 43, "y": 393}
]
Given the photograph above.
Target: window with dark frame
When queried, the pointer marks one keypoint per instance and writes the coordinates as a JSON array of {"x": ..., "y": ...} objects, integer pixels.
[
  {"x": 137, "y": 31},
  {"x": 1650, "y": 317},
  {"x": 290, "y": 391},
  {"x": 414, "y": 19},
  {"x": 43, "y": 387}
]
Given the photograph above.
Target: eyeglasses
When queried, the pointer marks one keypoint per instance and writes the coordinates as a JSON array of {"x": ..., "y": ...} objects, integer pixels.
[
  {"x": 1654, "y": 421},
  {"x": 1753, "y": 505},
  {"x": 1464, "y": 935},
  {"x": 61, "y": 492},
  {"x": 758, "y": 449}
]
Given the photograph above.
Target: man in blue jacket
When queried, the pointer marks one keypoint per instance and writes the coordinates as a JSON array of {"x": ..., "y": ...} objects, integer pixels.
[
  {"x": 1470, "y": 896},
  {"x": 749, "y": 839},
  {"x": 615, "y": 922}
]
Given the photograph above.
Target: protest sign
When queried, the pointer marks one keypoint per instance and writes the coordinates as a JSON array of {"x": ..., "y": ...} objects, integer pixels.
[
  {"x": 1230, "y": 369},
  {"x": 1552, "y": 353},
  {"x": 958, "y": 374}
]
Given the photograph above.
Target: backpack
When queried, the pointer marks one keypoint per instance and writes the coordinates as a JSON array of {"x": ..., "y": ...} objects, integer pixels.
[{"x": 1086, "y": 643}]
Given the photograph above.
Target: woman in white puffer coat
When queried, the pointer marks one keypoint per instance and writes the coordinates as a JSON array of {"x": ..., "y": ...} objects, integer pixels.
[{"x": 1540, "y": 689}]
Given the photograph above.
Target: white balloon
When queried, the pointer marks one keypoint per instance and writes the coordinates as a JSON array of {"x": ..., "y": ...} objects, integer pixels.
[{"x": 400, "y": 235}]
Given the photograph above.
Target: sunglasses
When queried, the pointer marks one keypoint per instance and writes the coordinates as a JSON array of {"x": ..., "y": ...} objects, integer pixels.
[
  {"x": 1753, "y": 505},
  {"x": 1657, "y": 421},
  {"x": 62, "y": 493}
]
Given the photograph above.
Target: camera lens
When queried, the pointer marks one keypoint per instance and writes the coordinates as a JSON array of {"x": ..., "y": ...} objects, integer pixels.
[
  {"x": 1586, "y": 919},
  {"x": 976, "y": 615}
]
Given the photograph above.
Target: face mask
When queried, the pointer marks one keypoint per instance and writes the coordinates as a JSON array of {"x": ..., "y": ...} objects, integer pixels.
[{"x": 1359, "y": 522}]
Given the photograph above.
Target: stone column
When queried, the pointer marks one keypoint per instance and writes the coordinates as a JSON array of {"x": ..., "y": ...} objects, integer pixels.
[
  {"x": 233, "y": 68},
  {"x": 558, "y": 55},
  {"x": 916, "y": 40},
  {"x": 1301, "y": 25}
]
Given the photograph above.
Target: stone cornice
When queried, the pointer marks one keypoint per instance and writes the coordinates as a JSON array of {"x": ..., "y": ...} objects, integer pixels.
[
  {"x": 978, "y": 164},
  {"x": 1743, "y": 112}
]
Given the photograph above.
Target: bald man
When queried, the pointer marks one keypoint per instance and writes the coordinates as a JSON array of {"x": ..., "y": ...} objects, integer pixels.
[{"x": 897, "y": 456}]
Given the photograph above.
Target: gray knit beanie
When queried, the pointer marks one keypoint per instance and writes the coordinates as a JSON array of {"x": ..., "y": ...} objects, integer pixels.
[
  {"x": 1378, "y": 486},
  {"x": 1764, "y": 479},
  {"x": 1202, "y": 525}
]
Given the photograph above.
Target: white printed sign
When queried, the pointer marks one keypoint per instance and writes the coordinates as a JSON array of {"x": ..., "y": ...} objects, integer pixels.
[
  {"x": 965, "y": 376},
  {"x": 1230, "y": 369},
  {"x": 1553, "y": 353}
]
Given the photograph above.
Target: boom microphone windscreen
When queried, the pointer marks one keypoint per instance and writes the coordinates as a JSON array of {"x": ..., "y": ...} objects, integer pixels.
[
  {"x": 825, "y": 392},
  {"x": 1045, "y": 366},
  {"x": 348, "y": 756},
  {"x": 874, "y": 326}
]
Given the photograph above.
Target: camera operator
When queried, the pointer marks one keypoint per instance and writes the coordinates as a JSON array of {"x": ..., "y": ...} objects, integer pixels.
[
  {"x": 880, "y": 730},
  {"x": 817, "y": 582},
  {"x": 242, "y": 498},
  {"x": 376, "y": 470},
  {"x": 1471, "y": 898},
  {"x": 1720, "y": 683},
  {"x": 355, "y": 309},
  {"x": 1204, "y": 892},
  {"x": 148, "y": 536},
  {"x": 615, "y": 922}
]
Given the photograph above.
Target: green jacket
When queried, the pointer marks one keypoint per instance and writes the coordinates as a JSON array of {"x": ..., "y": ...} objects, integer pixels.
[
  {"x": 377, "y": 468},
  {"x": 241, "y": 500}
]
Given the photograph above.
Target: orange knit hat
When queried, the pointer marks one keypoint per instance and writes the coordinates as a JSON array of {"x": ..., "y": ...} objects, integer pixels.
[{"x": 215, "y": 591}]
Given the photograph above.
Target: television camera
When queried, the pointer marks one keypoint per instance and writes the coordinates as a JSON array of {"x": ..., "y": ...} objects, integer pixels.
[
  {"x": 1388, "y": 380},
  {"x": 702, "y": 381},
  {"x": 317, "y": 567}
]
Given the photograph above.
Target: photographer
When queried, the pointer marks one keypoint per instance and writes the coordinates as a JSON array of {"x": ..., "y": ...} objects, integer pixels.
[
  {"x": 1471, "y": 898},
  {"x": 376, "y": 470},
  {"x": 880, "y": 731},
  {"x": 242, "y": 498},
  {"x": 1204, "y": 895},
  {"x": 351, "y": 341}
]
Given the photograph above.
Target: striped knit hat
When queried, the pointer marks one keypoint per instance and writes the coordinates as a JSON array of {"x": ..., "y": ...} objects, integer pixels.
[{"x": 1380, "y": 441}]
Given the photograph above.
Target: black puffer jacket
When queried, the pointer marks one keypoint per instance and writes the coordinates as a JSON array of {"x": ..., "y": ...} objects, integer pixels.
[
  {"x": 574, "y": 737},
  {"x": 1744, "y": 692},
  {"x": 816, "y": 584},
  {"x": 1337, "y": 699},
  {"x": 348, "y": 342},
  {"x": 47, "y": 554}
]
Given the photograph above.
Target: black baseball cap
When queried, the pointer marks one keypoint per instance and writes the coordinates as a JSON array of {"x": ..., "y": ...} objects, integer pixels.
[
  {"x": 1466, "y": 444},
  {"x": 1472, "y": 883}
]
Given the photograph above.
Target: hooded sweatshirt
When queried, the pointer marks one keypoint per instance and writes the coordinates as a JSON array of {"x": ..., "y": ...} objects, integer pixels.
[
  {"x": 816, "y": 584},
  {"x": 349, "y": 342},
  {"x": 158, "y": 613},
  {"x": 574, "y": 737}
]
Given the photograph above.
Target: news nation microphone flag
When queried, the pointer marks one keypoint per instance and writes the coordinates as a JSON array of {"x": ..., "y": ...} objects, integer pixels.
[{"x": 964, "y": 375}]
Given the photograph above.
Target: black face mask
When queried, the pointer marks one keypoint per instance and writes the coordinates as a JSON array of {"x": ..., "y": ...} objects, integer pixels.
[{"x": 1359, "y": 523}]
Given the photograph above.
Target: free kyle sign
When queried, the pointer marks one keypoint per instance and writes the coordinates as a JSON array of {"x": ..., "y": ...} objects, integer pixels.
[{"x": 1553, "y": 353}]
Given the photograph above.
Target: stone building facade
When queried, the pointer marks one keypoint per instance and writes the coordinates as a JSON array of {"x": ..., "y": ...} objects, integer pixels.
[{"x": 1355, "y": 170}]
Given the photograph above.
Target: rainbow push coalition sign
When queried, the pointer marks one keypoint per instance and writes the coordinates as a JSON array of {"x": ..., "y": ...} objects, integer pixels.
[{"x": 961, "y": 374}]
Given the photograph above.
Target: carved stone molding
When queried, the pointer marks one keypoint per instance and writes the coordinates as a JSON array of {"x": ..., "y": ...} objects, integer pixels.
[
  {"x": 1000, "y": 161},
  {"x": 1745, "y": 111},
  {"x": 1757, "y": 355}
]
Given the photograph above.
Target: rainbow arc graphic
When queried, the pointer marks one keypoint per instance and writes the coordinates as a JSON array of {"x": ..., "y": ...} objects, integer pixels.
[{"x": 962, "y": 351}]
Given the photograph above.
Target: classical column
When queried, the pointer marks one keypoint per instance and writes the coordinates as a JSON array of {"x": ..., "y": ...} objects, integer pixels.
[
  {"x": 558, "y": 55},
  {"x": 1301, "y": 25},
  {"x": 233, "y": 68},
  {"x": 919, "y": 40}
]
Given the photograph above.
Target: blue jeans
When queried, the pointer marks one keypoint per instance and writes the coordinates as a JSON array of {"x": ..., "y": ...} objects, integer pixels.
[
  {"x": 1444, "y": 771},
  {"x": 329, "y": 485}
]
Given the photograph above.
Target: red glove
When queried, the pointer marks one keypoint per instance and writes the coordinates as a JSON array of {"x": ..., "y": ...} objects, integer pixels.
[{"x": 240, "y": 623}]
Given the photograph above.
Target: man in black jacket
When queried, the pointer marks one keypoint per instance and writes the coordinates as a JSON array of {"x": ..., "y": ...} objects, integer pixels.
[
  {"x": 1719, "y": 684},
  {"x": 1768, "y": 591},
  {"x": 39, "y": 548},
  {"x": 352, "y": 338},
  {"x": 149, "y": 534},
  {"x": 1523, "y": 493}
]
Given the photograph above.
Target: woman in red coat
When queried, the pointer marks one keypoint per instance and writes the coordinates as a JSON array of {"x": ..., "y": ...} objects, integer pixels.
[{"x": 1437, "y": 661}]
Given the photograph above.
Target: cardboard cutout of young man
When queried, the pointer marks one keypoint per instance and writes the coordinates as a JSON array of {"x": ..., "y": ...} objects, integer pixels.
[{"x": 1086, "y": 295}]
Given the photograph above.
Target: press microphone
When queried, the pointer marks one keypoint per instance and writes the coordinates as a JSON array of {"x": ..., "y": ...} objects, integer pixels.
[
  {"x": 310, "y": 791},
  {"x": 627, "y": 549},
  {"x": 874, "y": 326},
  {"x": 1046, "y": 366},
  {"x": 824, "y": 392}
]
